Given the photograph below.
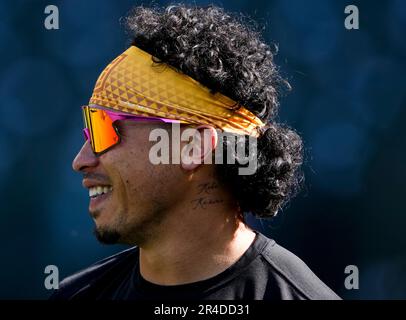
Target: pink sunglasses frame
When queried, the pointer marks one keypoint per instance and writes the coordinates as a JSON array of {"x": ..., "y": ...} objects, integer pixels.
[{"x": 117, "y": 115}]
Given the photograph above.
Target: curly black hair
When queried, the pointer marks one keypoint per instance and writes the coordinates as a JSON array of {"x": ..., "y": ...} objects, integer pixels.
[{"x": 225, "y": 52}]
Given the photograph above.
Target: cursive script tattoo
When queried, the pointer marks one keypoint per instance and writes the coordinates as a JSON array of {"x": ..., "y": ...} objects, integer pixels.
[
  {"x": 204, "y": 202},
  {"x": 207, "y": 187}
]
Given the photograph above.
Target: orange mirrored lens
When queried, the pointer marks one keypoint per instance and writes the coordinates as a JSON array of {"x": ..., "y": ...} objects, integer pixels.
[{"x": 102, "y": 133}]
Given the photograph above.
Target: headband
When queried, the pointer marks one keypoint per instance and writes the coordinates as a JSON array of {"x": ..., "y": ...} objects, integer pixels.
[{"x": 133, "y": 83}]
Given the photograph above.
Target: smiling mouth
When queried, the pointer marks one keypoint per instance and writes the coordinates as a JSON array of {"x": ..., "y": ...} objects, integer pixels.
[
  {"x": 95, "y": 192},
  {"x": 98, "y": 196}
]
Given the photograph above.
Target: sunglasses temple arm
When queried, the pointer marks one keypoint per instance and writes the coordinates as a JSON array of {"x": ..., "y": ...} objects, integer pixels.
[{"x": 114, "y": 116}]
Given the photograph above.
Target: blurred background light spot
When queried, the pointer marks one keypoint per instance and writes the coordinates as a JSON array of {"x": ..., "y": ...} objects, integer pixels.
[
  {"x": 34, "y": 97},
  {"x": 88, "y": 37},
  {"x": 339, "y": 145},
  {"x": 396, "y": 21},
  {"x": 7, "y": 157},
  {"x": 385, "y": 279},
  {"x": 10, "y": 37},
  {"x": 339, "y": 151},
  {"x": 314, "y": 32},
  {"x": 377, "y": 91}
]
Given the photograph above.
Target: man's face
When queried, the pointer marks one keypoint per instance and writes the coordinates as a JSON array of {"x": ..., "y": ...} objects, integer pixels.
[{"x": 140, "y": 193}]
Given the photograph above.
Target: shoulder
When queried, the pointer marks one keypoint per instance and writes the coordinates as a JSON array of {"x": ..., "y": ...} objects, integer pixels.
[
  {"x": 85, "y": 278},
  {"x": 293, "y": 274}
]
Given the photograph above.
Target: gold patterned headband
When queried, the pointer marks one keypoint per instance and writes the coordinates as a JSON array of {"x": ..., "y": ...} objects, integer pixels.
[{"x": 133, "y": 83}]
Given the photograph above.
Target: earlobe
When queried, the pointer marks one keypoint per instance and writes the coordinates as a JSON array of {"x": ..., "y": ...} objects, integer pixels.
[{"x": 200, "y": 149}]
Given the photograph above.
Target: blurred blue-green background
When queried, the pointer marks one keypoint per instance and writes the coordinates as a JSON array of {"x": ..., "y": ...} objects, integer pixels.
[{"x": 348, "y": 102}]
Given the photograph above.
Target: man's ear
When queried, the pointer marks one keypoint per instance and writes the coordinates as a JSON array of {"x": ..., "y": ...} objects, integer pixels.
[{"x": 202, "y": 143}]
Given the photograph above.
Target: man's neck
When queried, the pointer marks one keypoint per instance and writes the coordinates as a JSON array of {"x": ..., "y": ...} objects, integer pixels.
[{"x": 199, "y": 239}]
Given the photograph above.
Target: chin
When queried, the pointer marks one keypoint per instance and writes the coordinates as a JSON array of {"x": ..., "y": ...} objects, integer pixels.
[{"x": 107, "y": 235}]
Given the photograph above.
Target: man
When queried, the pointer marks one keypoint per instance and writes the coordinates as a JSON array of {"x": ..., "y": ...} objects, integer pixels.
[{"x": 201, "y": 69}]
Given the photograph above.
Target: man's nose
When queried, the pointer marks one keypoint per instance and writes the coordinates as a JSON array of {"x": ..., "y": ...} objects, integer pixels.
[{"x": 85, "y": 158}]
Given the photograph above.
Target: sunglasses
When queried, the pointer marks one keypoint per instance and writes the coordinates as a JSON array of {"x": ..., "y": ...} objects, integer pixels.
[{"x": 101, "y": 130}]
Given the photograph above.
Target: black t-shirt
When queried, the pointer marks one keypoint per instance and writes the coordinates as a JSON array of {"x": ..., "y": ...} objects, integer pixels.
[{"x": 266, "y": 271}]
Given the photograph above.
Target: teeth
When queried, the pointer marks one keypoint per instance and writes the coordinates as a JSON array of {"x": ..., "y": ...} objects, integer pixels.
[{"x": 96, "y": 191}]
